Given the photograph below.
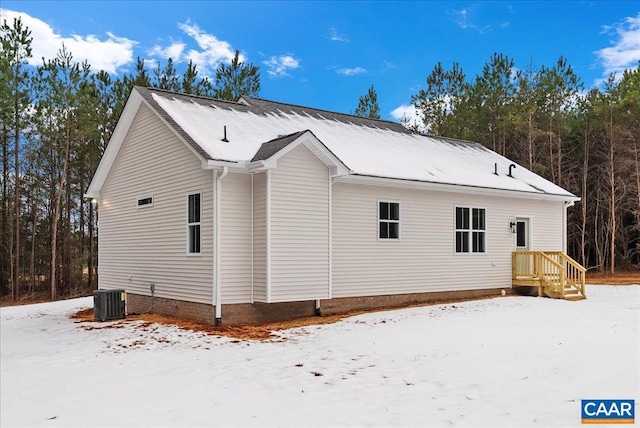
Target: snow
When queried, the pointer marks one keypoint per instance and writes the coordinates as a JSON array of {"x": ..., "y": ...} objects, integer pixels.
[
  {"x": 508, "y": 361},
  {"x": 364, "y": 150}
]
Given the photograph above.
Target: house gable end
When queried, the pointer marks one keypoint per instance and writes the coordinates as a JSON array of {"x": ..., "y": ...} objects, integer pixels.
[{"x": 126, "y": 120}]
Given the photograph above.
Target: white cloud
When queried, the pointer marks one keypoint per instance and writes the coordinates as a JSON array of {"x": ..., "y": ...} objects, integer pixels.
[
  {"x": 278, "y": 65},
  {"x": 625, "y": 50},
  {"x": 409, "y": 112},
  {"x": 337, "y": 37},
  {"x": 213, "y": 51},
  {"x": 461, "y": 18},
  {"x": 388, "y": 65},
  {"x": 351, "y": 71},
  {"x": 109, "y": 54},
  {"x": 173, "y": 51}
]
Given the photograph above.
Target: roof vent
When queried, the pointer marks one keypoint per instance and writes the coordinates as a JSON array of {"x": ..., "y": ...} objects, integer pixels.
[
  {"x": 513, "y": 165},
  {"x": 495, "y": 169},
  {"x": 225, "y": 135}
]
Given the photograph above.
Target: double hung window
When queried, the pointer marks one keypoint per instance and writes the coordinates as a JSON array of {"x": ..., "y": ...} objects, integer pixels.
[
  {"x": 471, "y": 230},
  {"x": 388, "y": 220}
]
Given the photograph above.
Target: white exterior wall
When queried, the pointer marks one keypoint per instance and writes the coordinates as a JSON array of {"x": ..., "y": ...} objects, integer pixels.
[
  {"x": 236, "y": 233},
  {"x": 143, "y": 246},
  {"x": 299, "y": 228},
  {"x": 260, "y": 237},
  {"x": 424, "y": 258}
]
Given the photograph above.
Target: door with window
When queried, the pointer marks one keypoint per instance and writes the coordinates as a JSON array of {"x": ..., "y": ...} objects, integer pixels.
[{"x": 525, "y": 264}]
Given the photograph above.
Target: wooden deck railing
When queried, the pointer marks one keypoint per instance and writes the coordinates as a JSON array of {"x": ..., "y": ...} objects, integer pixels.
[
  {"x": 550, "y": 270},
  {"x": 574, "y": 271}
]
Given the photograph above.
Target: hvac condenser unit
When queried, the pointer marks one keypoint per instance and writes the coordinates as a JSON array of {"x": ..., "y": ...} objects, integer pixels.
[{"x": 108, "y": 305}]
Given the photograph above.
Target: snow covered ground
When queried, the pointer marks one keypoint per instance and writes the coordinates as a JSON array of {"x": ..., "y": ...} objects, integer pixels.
[{"x": 511, "y": 361}]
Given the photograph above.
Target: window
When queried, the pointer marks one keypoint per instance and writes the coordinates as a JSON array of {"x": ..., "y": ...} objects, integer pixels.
[
  {"x": 471, "y": 230},
  {"x": 194, "y": 214},
  {"x": 521, "y": 234},
  {"x": 389, "y": 220},
  {"x": 145, "y": 201}
]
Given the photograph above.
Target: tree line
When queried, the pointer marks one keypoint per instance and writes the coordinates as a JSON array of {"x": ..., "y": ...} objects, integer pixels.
[
  {"x": 57, "y": 118},
  {"x": 587, "y": 142}
]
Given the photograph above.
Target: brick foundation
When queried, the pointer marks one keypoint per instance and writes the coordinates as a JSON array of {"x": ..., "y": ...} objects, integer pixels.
[{"x": 267, "y": 312}]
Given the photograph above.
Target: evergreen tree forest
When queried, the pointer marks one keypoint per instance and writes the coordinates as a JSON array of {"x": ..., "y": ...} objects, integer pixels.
[
  {"x": 56, "y": 120},
  {"x": 55, "y": 123}
]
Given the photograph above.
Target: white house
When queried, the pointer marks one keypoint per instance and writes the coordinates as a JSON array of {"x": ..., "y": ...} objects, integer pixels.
[{"x": 254, "y": 210}]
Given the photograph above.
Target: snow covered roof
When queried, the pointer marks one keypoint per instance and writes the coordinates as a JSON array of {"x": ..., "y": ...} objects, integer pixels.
[{"x": 255, "y": 129}]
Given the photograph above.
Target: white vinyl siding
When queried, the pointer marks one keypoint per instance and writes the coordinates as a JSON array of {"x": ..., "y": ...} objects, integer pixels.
[
  {"x": 299, "y": 227},
  {"x": 236, "y": 239},
  {"x": 424, "y": 259},
  {"x": 260, "y": 237},
  {"x": 140, "y": 247}
]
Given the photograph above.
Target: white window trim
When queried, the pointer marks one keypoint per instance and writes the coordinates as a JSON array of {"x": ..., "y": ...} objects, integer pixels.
[
  {"x": 195, "y": 192},
  {"x": 140, "y": 198},
  {"x": 470, "y": 230},
  {"x": 399, "y": 221}
]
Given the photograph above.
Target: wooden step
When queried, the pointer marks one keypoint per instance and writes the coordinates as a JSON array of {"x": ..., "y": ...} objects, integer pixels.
[{"x": 574, "y": 297}]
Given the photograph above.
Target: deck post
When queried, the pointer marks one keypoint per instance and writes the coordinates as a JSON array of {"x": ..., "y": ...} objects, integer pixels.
[{"x": 538, "y": 267}]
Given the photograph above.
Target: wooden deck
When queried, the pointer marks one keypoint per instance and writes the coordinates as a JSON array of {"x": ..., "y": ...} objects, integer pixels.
[{"x": 554, "y": 273}]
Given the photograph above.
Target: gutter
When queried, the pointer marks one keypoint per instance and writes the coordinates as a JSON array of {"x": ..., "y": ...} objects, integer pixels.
[{"x": 217, "y": 286}]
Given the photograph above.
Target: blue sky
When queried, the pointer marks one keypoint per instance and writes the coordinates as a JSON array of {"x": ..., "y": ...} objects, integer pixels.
[{"x": 327, "y": 54}]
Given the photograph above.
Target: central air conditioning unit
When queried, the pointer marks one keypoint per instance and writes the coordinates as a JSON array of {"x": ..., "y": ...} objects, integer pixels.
[{"x": 109, "y": 305}]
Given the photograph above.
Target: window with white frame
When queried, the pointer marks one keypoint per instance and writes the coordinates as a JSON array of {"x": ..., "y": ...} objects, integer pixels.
[
  {"x": 194, "y": 230},
  {"x": 471, "y": 230},
  {"x": 388, "y": 220}
]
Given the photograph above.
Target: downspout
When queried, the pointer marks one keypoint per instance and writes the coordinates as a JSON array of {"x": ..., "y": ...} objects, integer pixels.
[
  {"x": 217, "y": 288},
  {"x": 330, "y": 249}
]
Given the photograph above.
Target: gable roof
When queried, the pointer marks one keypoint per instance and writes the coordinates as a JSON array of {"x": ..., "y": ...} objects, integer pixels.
[
  {"x": 255, "y": 129},
  {"x": 272, "y": 147}
]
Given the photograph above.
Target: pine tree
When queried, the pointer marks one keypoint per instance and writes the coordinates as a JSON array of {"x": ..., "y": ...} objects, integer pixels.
[
  {"x": 438, "y": 103},
  {"x": 561, "y": 85},
  {"x": 16, "y": 50},
  {"x": 191, "y": 84},
  {"x": 368, "y": 105},
  {"x": 167, "y": 77},
  {"x": 494, "y": 91},
  {"x": 60, "y": 124},
  {"x": 237, "y": 79}
]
